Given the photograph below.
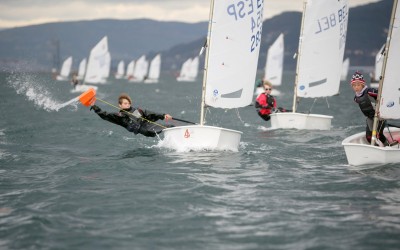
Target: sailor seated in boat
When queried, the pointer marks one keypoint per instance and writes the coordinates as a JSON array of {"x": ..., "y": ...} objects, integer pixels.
[
  {"x": 365, "y": 97},
  {"x": 266, "y": 103}
]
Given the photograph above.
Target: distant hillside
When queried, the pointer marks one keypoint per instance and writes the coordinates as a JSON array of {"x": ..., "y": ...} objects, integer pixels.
[{"x": 128, "y": 39}]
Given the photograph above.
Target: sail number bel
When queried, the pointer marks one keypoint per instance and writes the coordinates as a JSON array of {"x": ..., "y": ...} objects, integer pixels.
[{"x": 328, "y": 22}]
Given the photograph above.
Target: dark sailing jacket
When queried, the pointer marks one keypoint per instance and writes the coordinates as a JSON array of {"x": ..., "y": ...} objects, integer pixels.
[
  {"x": 134, "y": 120},
  {"x": 365, "y": 103}
]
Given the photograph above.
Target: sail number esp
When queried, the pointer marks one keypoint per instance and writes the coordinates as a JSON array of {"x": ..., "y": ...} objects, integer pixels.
[{"x": 255, "y": 10}]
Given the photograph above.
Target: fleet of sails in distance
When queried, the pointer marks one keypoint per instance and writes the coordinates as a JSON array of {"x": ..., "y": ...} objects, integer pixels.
[
  {"x": 96, "y": 70},
  {"x": 143, "y": 71}
]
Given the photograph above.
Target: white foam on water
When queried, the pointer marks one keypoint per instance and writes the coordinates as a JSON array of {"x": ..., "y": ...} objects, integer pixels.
[{"x": 37, "y": 93}]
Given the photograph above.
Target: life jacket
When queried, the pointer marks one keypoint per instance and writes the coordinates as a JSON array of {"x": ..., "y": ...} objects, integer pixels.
[
  {"x": 270, "y": 100},
  {"x": 132, "y": 120},
  {"x": 365, "y": 104}
]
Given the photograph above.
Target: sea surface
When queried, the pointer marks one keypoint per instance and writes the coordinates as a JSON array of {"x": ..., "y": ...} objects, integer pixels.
[{"x": 69, "y": 180}]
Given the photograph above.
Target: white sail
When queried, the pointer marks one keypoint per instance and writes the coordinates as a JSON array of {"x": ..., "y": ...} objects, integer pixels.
[
  {"x": 274, "y": 63},
  {"x": 129, "y": 69},
  {"x": 189, "y": 70},
  {"x": 97, "y": 62},
  {"x": 154, "y": 70},
  {"x": 345, "y": 69},
  {"x": 140, "y": 70},
  {"x": 120, "y": 70},
  {"x": 185, "y": 68},
  {"x": 65, "y": 69},
  {"x": 390, "y": 93},
  {"x": 233, "y": 51},
  {"x": 193, "y": 68},
  {"x": 82, "y": 69},
  {"x": 378, "y": 63},
  {"x": 322, "y": 48},
  {"x": 106, "y": 67}
]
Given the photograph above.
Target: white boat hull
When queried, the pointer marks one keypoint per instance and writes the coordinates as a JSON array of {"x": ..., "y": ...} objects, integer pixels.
[
  {"x": 185, "y": 79},
  {"x": 61, "y": 78},
  {"x": 198, "y": 137},
  {"x": 291, "y": 120},
  {"x": 359, "y": 152},
  {"x": 136, "y": 80},
  {"x": 148, "y": 80}
]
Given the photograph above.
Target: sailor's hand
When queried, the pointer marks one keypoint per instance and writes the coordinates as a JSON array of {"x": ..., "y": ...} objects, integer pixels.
[
  {"x": 95, "y": 108},
  {"x": 167, "y": 117}
]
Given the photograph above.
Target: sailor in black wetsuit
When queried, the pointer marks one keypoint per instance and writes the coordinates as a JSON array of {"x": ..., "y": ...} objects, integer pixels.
[
  {"x": 364, "y": 98},
  {"x": 134, "y": 120}
]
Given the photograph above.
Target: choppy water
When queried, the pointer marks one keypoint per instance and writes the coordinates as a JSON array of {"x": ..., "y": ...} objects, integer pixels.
[{"x": 69, "y": 180}]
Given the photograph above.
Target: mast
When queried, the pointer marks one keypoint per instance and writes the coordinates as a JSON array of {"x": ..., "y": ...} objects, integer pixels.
[
  {"x": 207, "y": 45},
  {"x": 378, "y": 100},
  {"x": 294, "y": 107}
]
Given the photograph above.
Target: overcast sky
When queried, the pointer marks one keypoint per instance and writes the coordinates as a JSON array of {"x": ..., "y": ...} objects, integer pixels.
[{"x": 16, "y": 13}]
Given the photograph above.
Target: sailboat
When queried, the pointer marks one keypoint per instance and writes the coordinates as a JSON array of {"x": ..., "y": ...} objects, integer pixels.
[
  {"x": 140, "y": 70},
  {"x": 154, "y": 70},
  {"x": 65, "y": 70},
  {"x": 319, "y": 62},
  {"x": 120, "y": 70},
  {"x": 129, "y": 69},
  {"x": 345, "y": 69},
  {"x": 274, "y": 64},
  {"x": 232, "y": 50},
  {"x": 189, "y": 70},
  {"x": 98, "y": 62},
  {"x": 96, "y": 68},
  {"x": 82, "y": 69},
  {"x": 378, "y": 67},
  {"x": 358, "y": 151}
]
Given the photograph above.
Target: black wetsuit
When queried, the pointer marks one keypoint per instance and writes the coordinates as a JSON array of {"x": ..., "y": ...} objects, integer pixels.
[
  {"x": 134, "y": 120},
  {"x": 366, "y": 106}
]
